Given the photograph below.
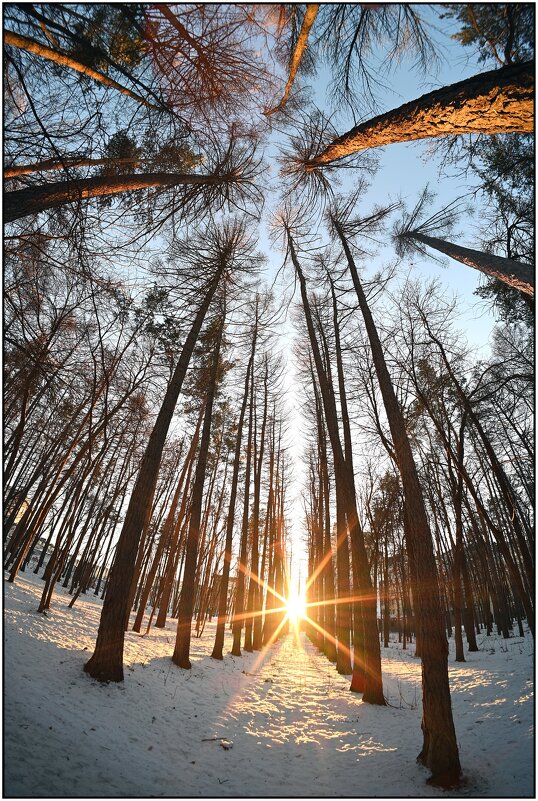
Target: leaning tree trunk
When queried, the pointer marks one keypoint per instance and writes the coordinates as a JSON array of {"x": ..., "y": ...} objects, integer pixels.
[
  {"x": 33, "y": 199},
  {"x": 68, "y": 163},
  {"x": 440, "y": 748},
  {"x": 106, "y": 664},
  {"x": 297, "y": 55},
  {"x": 63, "y": 60},
  {"x": 186, "y": 599},
  {"x": 499, "y": 101},
  {"x": 516, "y": 274}
]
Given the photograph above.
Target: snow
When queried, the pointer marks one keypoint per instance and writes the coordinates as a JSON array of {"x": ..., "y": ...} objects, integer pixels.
[{"x": 281, "y": 722}]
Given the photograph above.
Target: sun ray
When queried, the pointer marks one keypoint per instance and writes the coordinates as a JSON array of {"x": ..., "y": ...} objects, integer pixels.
[
  {"x": 261, "y": 582},
  {"x": 328, "y": 556},
  {"x": 329, "y": 636},
  {"x": 362, "y": 664},
  {"x": 265, "y": 649},
  {"x": 335, "y": 601},
  {"x": 259, "y": 613}
]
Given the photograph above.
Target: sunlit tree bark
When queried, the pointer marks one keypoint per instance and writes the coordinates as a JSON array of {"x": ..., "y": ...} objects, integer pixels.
[
  {"x": 64, "y": 60},
  {"x": 499, "y": 101},
  {"x": 32, "y": 200},
  {"x": 297, "y": 54},
  {"x": 61, "y": 164}
]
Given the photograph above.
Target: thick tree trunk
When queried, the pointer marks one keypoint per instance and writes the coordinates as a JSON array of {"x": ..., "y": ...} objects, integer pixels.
[
  {"x": 440, "y": 749},
  {"x": 499, "y": 101},
  {"x": 516, "y": 274},
  {"x": 106, "y": 664},
  {"x": 34, "y": 199}
]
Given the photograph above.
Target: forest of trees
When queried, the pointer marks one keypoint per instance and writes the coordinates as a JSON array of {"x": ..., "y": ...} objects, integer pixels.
[{"x": 148, "y": 451}]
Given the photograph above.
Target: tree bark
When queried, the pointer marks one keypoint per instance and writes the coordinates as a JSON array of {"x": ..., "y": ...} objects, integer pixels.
[
  {"x": 516, "y": 274},
  {"x": 499, "y": 101},
  {"x": 440, "y": 749},
  {"x": 297, "y": 55},
  {"x": 186, "y": 599},
  {"x": 66, "y": 163},
  {"x": 106, "y": 664},
  {"x": 32, "y": 200},
  {"x": 33, "y": 46}
]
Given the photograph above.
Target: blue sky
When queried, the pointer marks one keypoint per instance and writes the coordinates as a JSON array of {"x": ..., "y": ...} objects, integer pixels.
[{"x": 404, "y": 170}]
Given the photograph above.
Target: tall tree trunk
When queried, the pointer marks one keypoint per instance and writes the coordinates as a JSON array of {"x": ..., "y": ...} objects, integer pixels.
[
  {"x": 348, "y": 455},
  {"x": 106, "y": 664},
  {"x": 66, "y": 163},
  {"x": 498, "y": 101},
  {"x": 224, "y": 582},
  {"x": 63, "y": 60},
  {"x": 297, "y": 55},
  {"x": 164, "y": 540},
  {"x": 345, "y": 495},
  {"x": 254, "y": 624},
  {"x": 22, "y": 202},
  {"x": 238, "y": 621},
  {"x": 516, "y": 274},
  {"x": 186, "y": 599},
  {"x": 440, "y": 748}
]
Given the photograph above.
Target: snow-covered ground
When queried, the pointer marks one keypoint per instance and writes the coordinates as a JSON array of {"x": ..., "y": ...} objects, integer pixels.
[{"x": 293, "y": 726}]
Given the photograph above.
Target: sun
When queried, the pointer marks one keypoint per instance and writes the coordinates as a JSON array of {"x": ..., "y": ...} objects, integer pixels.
[{"x": 296, "y": 607}]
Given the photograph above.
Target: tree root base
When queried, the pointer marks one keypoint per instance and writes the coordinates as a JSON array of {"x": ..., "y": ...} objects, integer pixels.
[
  {"x": 103, "y": 674},
  {"x": 449, "y": 780},
  {"x": 182, "y": 662}
]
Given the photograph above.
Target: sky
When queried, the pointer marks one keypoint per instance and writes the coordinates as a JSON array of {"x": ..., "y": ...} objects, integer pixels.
[{"x": 404, "y": 171}]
